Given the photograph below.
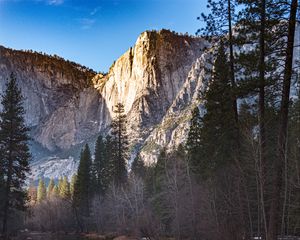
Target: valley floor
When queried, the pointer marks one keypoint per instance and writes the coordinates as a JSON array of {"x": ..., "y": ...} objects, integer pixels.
[{"x": 68, "y": 236}]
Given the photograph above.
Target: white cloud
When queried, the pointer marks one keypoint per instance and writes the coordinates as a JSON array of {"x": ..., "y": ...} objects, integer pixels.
[
  {"x": 95, "y": 11},
  {"x": 86, "y": 23},
  {"x": 55, "y": 2}
]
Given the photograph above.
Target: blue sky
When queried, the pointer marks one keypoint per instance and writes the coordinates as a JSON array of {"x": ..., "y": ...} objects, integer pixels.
[{"x": 93, "y": 33}]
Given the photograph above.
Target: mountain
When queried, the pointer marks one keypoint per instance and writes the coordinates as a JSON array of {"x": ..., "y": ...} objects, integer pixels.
[
  {"x": 147, "y": 80},
  {"x": 67, "y": 105}
]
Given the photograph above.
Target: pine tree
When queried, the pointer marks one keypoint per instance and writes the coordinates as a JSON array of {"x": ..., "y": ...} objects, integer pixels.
[
  {"x": 211, "y": 146},
  {"x": 56, "y": 191},
  {"x": 292, "y": 219},
  {"x": 104, "y": 162},
  {"x": 59, "y": 185},
  {"x": 219, "y": 23},
  {"x": 42, "y": 191},
  {"x": 65, "y": 189},
  {"x": 214, "y": 158},
  {"x": 138, "y": 167},
  {"x": 193, "y": 141},
  {"x": 14, "y": 151},
  {"x": 50, "y": 188},
  {"x": 160, "y": 170},
  {"x": 2, "y": 191},
  {"x": 110, "y": 154},
  {"x": 101, "y": 166},
  {"x": 160, "y": 203},
  {"x": 263, "y": 25},
  {"x": 82, "y": 188},
  {"x": 280, "y": 163},
  {"x": 72, "y": 184},
  {"x": 120, "y": 138}
]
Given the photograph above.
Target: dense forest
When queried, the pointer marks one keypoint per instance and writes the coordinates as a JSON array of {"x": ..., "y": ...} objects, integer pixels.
[{"x": 237, "y": 175}]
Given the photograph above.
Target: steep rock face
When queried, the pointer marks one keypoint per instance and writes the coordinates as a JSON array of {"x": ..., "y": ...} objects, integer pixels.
[
  {"x": 72, "y": 123},
  {"x": 148, "y": 77},
  {"x": 174, "y": 126},
  {"x": 51, "y": 88},
  {"x": 66, "y": 103}
]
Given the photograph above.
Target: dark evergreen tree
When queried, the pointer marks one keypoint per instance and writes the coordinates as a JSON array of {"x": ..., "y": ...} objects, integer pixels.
[
  {"x": 72, "y": 184},
  {"x": 160, "y": 203},
  {"x": 82, "y": 188},
  {"x": 120, "y": 138},
  {"x": 193, "y": 141},
  {"x": 14, "y": 151},
  {"x": 160, "y": 171},
  {"x": 277, "y": 205},
  {"x": 218, "y": 130},
  {"x": 101, "y": 166},
  {"x": 219, "y": 22},
  {"x": 138, "y": 167},
  {"x": 110, "y": 153},
  {"x": 217, "y": 142},
  {"x": 292, "y": 206},
  {"x": 265, "y": 25},
  {"x": 2, "y": 190}
]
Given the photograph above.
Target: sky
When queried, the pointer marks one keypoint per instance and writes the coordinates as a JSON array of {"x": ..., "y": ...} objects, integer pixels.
[{"x": 93, "y": 33}]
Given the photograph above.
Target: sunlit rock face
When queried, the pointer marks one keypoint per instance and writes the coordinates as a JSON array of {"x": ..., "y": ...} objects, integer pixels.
[
  {"x": 67, "y": 104},
  {"x": 148, "y": 77},
  {"x": 173, "y": 128}
]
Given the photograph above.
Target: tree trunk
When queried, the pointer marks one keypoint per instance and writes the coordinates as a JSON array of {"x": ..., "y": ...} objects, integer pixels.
[
  {"x": 262, "y": 130},
  {"x": 231, "y": 61},
  {"x": 241, "y": 180},
  {"x": 6, "y": 198},
  {"x": 282, "y": 136}
]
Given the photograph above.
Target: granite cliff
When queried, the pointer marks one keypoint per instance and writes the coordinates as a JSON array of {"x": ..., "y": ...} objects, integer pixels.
[
  {"x": 67, "y": 104},
  {"x": 158, "y": 80}
]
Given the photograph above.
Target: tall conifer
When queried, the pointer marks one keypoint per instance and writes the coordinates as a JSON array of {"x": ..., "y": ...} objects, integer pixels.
[
  {"x": 211, "y": 146},
  {"x": 50, "y": 188},
  {"x": 42, "y": 191},
  {"x": 65, "y": 189},
  {"x": 14, "y": 151},
  {"x": 193, "y": 141},
  {"x": 120, "y": 138},
  {"x": 99, "y": 165},
  {"x": 82, "y": 188}
]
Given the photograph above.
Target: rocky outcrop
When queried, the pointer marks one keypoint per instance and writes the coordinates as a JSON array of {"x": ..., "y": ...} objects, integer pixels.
[
  {"x": 58, "y": 95},
  {"x": 66, "y": 103},
  {"x": 148, "y": 77},
  {"x": 174, "y": 127}
]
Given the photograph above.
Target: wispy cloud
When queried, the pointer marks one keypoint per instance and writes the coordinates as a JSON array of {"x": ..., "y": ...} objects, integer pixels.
[
  {"x": 95, "y": 11},
  {"x": 48, "y": 2},
  {"x": 86, "y": 23},
  {"x": 55, "y": 2}
]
